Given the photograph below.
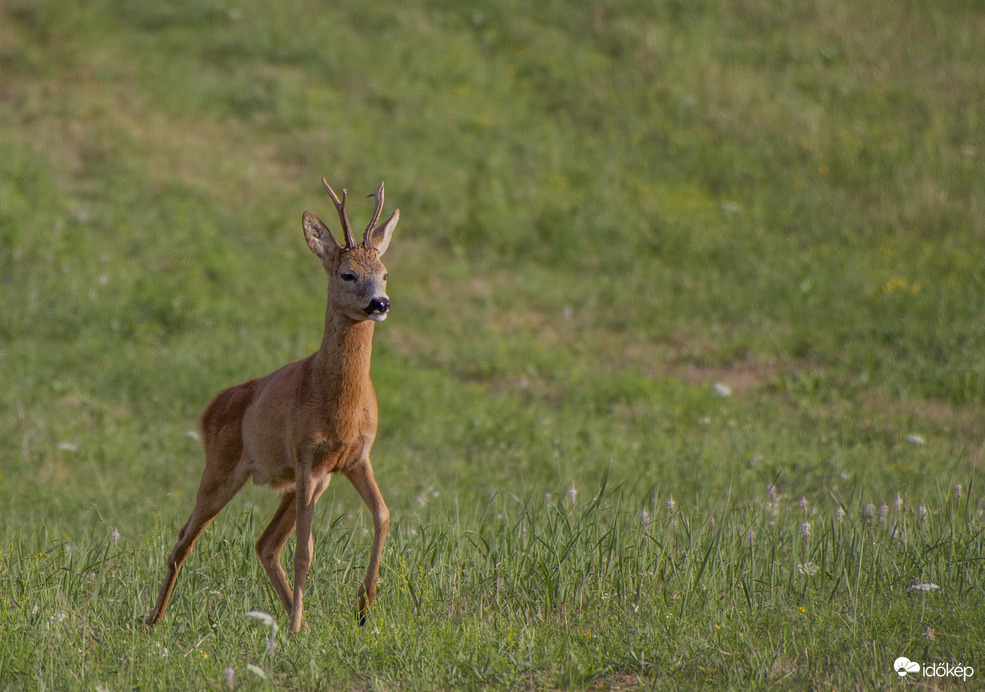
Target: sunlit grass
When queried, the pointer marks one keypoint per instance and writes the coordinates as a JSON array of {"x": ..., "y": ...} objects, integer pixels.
[{"x": 532, "y": 589}]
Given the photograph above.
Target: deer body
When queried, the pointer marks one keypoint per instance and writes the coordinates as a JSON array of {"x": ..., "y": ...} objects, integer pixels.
[
  {"x": 295, "y": 427},
  {"x": 288, "y": 418}
]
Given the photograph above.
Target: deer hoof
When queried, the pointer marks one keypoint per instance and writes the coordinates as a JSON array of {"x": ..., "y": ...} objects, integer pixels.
[{"x": 365, "y": 601}]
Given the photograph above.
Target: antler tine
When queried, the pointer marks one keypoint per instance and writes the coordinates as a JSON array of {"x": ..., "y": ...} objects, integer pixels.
[
  {"x": 378, "y": 196},
  {"x": 350, "y": 241}
]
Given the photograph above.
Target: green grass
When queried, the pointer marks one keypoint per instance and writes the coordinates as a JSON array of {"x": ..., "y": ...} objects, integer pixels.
[{"x": 607, "y": 211}]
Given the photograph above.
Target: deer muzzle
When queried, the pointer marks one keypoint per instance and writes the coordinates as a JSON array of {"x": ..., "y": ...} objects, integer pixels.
[{"x": 378, "y": 308}]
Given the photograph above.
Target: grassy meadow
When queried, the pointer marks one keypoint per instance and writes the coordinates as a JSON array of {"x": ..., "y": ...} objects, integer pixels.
[{"x": 683, "y": 385}]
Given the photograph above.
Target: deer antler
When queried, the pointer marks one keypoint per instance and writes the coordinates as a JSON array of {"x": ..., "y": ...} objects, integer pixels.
[
  {"x": 350, "y": 241},
  {"x": 378, "y": 196}
]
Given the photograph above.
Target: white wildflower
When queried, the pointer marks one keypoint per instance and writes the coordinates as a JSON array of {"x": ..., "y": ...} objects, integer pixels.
[
  {"x": 922, "y": 511},
  {"x": 915, "y": 439},
  {"x": 256, "y": 670},
  {"x": 646, "y": 518},
  {"x": 572, "y": 494},
  {"x": 270, "y": 622},
  {"x": 671, "y": 505},
  {"x": 807, "y": 568},
  {"x": 803, "y": 505},
  {"x": 722, "y": 389},
  {"x": 925, "y": 587},
  {"x": 265, "y": 618},
  {"x": 898, "y": 503},
  {"x": 869, "y": 510},
  {"x": 839, "y": 515},
  {"x": 115, "y": 536},
  {"x": 230, "y": 675},
  {"x": 883, "y": 513},
  {"x": 957, "y": 493}
]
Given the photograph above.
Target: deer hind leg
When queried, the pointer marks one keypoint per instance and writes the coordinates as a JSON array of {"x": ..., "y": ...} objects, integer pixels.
[
  {"x": 272, "y": 542},
  {"x": 364, "y": 482},
  {"x": 215, "y": 491}
]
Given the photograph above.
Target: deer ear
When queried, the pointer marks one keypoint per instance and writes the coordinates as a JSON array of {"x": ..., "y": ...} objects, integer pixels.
[
  {"x": 379, "y": 238},
  {"x": 319, "y": 238}
]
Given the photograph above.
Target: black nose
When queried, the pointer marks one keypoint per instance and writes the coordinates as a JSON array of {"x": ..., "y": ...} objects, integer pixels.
[{"x": 378, "y": 306}]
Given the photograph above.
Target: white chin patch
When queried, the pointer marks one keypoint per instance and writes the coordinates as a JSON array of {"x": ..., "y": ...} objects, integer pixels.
[{"x": 377, "y": 316}]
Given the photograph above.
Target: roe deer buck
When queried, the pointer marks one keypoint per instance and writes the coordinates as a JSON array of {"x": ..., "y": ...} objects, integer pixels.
[{"x": 297, "y": 426}]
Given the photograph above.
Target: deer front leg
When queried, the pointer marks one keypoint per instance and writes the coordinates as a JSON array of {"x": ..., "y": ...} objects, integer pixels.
[
  {"x": 364, "y": 482},
  {"x": 307, "y": 490},
  {"x": 303, "y": 549}
]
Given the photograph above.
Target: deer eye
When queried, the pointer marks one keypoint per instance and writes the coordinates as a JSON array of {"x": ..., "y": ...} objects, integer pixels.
[{"x": 347, "y": 277}]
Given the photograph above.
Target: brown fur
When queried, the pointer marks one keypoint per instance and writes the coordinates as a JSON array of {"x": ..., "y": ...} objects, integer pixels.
[{"x": 295, "y": 427}]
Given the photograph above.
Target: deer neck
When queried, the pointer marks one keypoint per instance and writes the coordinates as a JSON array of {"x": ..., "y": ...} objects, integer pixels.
[{"x": 344, "y": 356}]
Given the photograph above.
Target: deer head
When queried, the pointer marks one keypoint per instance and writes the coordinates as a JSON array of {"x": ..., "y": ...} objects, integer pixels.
[{"x": 356, "y": 276}]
